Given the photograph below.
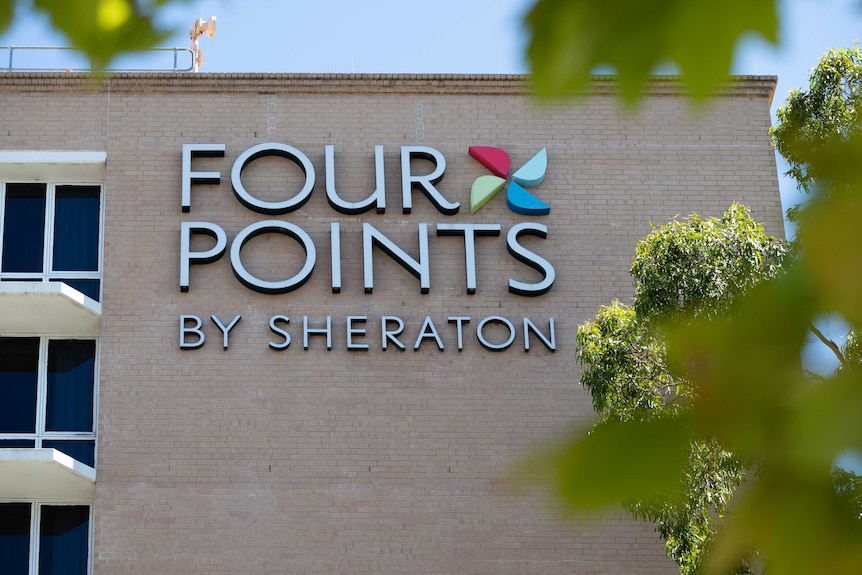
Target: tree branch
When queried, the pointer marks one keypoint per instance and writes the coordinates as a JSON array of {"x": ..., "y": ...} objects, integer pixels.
[
  {"x": 831, "y": 345},
  {"x": 813, "y": 375}
]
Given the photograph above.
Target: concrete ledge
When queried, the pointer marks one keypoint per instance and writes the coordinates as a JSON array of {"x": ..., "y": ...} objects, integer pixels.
[
  {"x": 47, "y": 308},
  {"x": 45, "y": 474},
  {"x": 53, "y": 165}
]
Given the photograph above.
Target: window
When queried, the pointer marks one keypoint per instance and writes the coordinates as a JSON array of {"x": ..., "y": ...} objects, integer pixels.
[
  {"x": 45, "y": 539},
  {"x": 52, "y": 232},
  {"x": 48, "y": 395}
]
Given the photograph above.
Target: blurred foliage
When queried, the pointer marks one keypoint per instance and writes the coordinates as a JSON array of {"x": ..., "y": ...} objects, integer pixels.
[
  {"x": 728, "y": 382},
  {"x": 570, "y": 39},
  {"x": 101, "y": 29},
  {"x": 684, "y": 271},
  {"x": 753, "y": 398}
]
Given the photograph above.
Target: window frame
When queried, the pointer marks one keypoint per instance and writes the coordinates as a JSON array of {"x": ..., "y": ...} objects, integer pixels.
[
  {"x": 35, "y": 533},
  {"x": 48, "y": 274},
  {"x": 41, "y": 434}
]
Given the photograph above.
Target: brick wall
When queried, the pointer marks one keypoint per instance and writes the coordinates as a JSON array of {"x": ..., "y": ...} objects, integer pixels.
[{"x": 250, "y": 460}]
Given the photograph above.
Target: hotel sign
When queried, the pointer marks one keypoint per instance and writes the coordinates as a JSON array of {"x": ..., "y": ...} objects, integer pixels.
[{"x": 519, "y": 200}]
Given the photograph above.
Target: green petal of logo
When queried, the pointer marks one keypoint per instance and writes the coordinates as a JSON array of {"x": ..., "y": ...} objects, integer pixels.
[{"x": 518, "y": 199}]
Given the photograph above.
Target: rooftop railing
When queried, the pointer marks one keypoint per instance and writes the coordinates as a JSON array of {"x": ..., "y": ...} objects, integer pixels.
[{"x": 52, "y": 53}]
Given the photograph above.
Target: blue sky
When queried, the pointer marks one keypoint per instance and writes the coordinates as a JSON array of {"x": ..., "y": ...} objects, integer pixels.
[{"x": 443, "y": 36}]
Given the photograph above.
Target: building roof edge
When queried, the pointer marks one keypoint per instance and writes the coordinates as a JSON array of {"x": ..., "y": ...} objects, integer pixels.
[{"x": 344, "y": 83}]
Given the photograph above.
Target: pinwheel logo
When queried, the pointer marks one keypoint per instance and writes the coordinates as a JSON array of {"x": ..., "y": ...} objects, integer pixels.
[{"x": 518, "y": 199}]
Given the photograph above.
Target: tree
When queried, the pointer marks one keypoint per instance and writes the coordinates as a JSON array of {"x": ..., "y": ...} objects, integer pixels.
[
  {"x": 828, "y": 111},
  {"x": 691, "y": 269},
  {"x": 809, "y": 123},
  {"x": 748, "y": 392},
  {"x": 722, "y": 391},
  {"x": 101, "y": 29}
]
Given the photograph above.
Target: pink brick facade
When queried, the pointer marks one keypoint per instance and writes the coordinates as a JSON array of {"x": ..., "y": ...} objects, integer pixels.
[{"x": 254, "y": 460}]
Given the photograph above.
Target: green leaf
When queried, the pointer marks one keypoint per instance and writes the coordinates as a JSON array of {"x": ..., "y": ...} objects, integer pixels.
[
  {"x": 102, "y": 29},
  {"x": 830, "y": 228},
  {"x": 571, "y": 38},
  {"x": 620, "y": 461},
  {"x": 801, "y": 525},
  {"x": 6, "y": 11},
  {"x": 746, "y": 368},
  {"x": 825, "y": 422}
]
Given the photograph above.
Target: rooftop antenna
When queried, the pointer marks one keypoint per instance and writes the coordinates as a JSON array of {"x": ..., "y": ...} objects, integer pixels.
[{"x": 197, "y": 30}]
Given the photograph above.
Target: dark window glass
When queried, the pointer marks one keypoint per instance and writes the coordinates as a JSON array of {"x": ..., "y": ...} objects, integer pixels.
[
  {"x": 89, "y": 288},
  {"x": 19, "y": 364},
  {"x": 63, "y": 536},
  {"x": 17, "y": 443},
  {"x": 71, "y": 372},
  {"x": 24, "y": 228},
  {"x": 76, "y": 228},
  {"x": 84, "y": 450},
  {"x": 15, "y": 537}
]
